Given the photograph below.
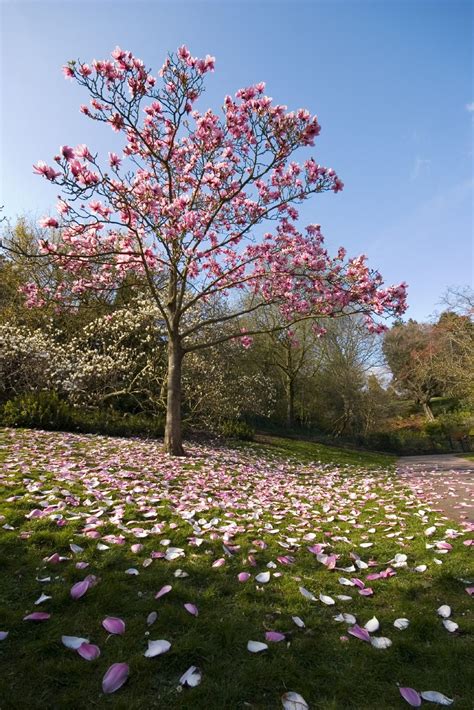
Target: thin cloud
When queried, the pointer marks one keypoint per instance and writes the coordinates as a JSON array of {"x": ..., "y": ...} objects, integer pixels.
[
  {"x": 420, "y": 167},
  {"x": 470, "y": 107}
]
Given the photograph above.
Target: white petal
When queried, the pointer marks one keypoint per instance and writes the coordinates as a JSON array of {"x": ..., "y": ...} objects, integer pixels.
[
  {"x": 256, "y": 646},
  {"x": 299, "y": 622},
  {"x": 263, "y": 577},
  {"x": 421, "y": 568},
  {"x": 307, "y": 594},
  {"x": 434, "y": 697},
  {"x": 372, "y": 625},
  {"x": 380, "y": 642},
  {"x": 344, "y": 597},
  {"x": 151, "y": 618},
  {"x": 401, "y": 624},
  {"x": 42, "y": 598},
  {"x": 444, "y": 611},
  {"x": 451, "y": 626},
  {"x": 192, "y": 677},
  {"x": 73, "y": 641},
  {"x": 293, "y": 701},
  {"x": 326, "y": 600},
  {"x": 346, "y": 582},
  {"x": 132, "y": 570},
  {"x": 430, "y": 531},
  {"x": 156, "y": 648}
]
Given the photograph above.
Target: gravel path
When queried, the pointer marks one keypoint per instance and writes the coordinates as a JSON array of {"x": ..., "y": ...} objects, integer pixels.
[{"x": 444, "y": 481}]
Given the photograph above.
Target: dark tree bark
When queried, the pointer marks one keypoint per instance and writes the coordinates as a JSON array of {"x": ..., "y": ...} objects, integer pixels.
[{"x": 173, "y": 435}]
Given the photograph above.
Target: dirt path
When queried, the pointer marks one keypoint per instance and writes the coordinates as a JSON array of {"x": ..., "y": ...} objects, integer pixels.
[{"x": 444, "y": 481}]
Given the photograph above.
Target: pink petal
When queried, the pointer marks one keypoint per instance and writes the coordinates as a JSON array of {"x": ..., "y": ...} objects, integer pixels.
[
  {"x": 191, "y": 608},
  {"x": 89, "y": 651},
  {"x": 219, "y": 562},
  {"x": 243, "y": 576},
  {"x": 367, "y": 592},
  {"x": 37, "y": 616},
  {"x": 274, "y": 636},
  {"x": 164, "y": 590},
  {"x": 411, "y": 696},
  {"x": 54, "y": 559},
  {"x": 470, "y": 591},
  {"x": 359, "y": 633},
  {"x": 115, "y": 677},
  {"x": 79, "y": 589},
  {"x": 114, "y": 625}
]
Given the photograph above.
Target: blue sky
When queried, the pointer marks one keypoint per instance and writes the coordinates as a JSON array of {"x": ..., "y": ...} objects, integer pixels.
[{"x": 390, "y": 80}]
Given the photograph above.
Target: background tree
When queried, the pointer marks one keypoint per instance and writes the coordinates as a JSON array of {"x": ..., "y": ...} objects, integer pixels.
[
  {"x": 348, "y": 357},
  {"x": 289, "y": 355},
  {"x": 181, "y": 205},
  {"x": 410, "y": 350}
]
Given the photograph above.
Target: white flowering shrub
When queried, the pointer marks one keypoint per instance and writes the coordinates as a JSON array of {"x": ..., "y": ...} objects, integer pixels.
[{"x": 119, "y": 360}]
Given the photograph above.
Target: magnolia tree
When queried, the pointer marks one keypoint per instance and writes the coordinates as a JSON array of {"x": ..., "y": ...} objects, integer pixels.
[{"x": 185, "y": 201}]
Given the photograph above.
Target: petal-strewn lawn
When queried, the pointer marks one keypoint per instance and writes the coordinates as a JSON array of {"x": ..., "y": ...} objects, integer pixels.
[{"x": 239, "y": 545}]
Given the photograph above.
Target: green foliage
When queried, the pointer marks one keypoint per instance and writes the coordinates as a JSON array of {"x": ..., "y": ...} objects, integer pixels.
[
  {"x": 454, "y": 425},
  {"x": 237, "y": 430},
  {"x": 46, "y": 410}
]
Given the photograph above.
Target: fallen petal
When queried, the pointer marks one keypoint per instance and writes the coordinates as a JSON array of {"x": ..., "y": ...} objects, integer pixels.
[
  {"x": 432, "y": 696},
  {"x": 243, "y": 576},
  {"x": 114, "y": 625},
  {"x": 380, "y": 642},
  {"x": 401, "y": 624},
  {"x": 411, "y": 696},
  {"x": 115, "y": 677},
  {"x": 192, "y": 677},
  {"x": 444, "y": 611},
  {"x": 274, "y": 636},
  {"x": 450, "y": 626},
  {"x": 37, "y": 616},
  {"x": 89, "y": 651},
  {"x": 151, "y": 618},
  {"x": 299, "y": 622},
  {"x": 73, "y": 641},
  {"x": 326, "y": 600},
  {"x": 191, "y": 608},
  {"x": 263, "y": 577},
  {"x": 42, "y": 598},
  {"x": 359, "y": 633},
  {"x": 79, "y": 589},
  {"x": 156, "y": 648},
  {"x": 256, "y": 646},
  {"x": 372, "y": 625},
  {"x": 164, "y": 590},
  {"x": 293, "y": 701}
]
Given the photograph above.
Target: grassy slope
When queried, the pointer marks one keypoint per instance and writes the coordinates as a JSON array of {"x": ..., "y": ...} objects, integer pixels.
[
  {"x": 305, "y": 451},
  {"x": 38, "y": 672}
]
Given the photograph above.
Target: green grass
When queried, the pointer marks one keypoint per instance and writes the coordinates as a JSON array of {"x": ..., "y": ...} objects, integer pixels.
[
  {"x": 467, "y": 455},
  {"x": 329, "y": 672},
  {"x": 303, "y": 450}
]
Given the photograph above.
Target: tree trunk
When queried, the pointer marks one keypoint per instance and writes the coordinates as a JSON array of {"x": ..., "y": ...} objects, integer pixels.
[
  {"x": 427, "y": 411},
  {"x": 290, "y": 402},
  {"x": 173, "y": 436}
]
